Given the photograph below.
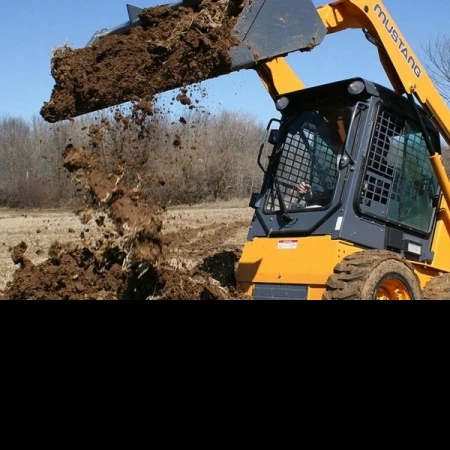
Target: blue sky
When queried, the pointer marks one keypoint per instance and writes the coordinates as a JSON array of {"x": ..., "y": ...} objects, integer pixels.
[{"x": 28, "y": 36}]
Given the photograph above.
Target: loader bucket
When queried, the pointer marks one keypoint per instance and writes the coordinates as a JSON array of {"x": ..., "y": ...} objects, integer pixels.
[
  {"x": 214, "y": 38},
  {"x": 265, "y": 29},
  {"x": 271, "y": 28}
]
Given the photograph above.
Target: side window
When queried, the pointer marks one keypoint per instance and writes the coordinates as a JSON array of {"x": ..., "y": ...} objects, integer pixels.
[
  {"x": 306, "y": 155},
  {"x": 399, "y": 183}
]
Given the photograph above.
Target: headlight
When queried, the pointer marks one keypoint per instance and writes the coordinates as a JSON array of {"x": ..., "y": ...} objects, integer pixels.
[
  {"x": 282, "y": 103},
  {"x": 356, "y": 87}
]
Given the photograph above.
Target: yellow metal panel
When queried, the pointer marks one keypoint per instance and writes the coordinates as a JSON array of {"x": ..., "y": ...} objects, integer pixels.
[
  {"x": 441, "y": 240},
  {"x": 315, "y": 293},
  {"x": 278, "y": 77},
  {"x": 307, "y": 260}
]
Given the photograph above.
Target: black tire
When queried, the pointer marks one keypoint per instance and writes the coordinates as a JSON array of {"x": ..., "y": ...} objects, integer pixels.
[
  {"x": 438, "y": 288},
  {"x": 373, "y": 275}
]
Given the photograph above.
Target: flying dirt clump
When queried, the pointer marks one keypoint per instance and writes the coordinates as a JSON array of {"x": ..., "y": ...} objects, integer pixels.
[
  {"x": 133, "y": 219},
  {"x": 116, "y": 262},
  {"x": 174, "y": 47}
]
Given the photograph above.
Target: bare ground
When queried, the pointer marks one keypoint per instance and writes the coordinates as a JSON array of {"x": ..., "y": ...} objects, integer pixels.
[
  {"x": 205, "y": 244},
  {"x": 39, "y": 229}
]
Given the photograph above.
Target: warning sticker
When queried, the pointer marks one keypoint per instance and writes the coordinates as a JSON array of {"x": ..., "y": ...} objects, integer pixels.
[{"x": 287, "y": 245}]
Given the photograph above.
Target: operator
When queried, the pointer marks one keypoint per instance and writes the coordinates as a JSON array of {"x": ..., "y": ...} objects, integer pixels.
[
  {"x": 313, "y": 196},
  {"x": 334, "y": 138},
  {"x": 320, "y": 194}
]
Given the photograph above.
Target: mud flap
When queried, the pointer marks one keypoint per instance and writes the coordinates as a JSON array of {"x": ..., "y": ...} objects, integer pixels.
[{"x": 271, "y": 28}]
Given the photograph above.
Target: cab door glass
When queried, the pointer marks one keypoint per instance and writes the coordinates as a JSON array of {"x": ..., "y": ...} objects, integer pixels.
[
  {"x": 399, "y": 183},
  {"x": 309, "y": 154}
]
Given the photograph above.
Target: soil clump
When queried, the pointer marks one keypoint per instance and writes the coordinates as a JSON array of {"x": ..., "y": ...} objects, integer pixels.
[{"x": 173, "y": 47}]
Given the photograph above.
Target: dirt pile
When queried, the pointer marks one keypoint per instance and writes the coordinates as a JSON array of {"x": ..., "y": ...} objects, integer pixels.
[
  {"x": 174, "y": 47},
  {"x": 74, "y": 272}
]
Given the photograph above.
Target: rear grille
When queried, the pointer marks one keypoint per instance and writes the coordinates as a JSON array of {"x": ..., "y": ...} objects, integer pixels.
[{"x": 280, "y": 292}]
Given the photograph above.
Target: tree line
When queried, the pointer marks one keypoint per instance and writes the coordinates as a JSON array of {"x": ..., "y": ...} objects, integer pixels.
[{"x": 195, "y": 158}]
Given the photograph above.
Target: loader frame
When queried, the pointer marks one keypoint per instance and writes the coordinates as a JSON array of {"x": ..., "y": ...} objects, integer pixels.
[{"x": 299, "y": 266}]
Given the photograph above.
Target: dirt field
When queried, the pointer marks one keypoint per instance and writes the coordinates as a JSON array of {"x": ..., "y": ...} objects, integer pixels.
[{"x": 206, "y": 238}]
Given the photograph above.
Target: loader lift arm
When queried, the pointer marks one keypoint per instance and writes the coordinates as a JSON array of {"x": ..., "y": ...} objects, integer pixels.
[{"x": 402, "y": 66}]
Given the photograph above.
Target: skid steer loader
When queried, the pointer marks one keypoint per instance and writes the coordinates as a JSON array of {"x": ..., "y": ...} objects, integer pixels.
[{"x": 354, "y": 202}]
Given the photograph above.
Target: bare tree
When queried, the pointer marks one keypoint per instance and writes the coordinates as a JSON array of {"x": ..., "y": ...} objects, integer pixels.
[
  {"x": 437, "y": 60},
  {"x": 16, "y": 164}
]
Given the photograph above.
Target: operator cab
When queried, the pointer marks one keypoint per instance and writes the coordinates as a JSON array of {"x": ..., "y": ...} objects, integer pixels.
[{"x": 349, "y": 159}]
